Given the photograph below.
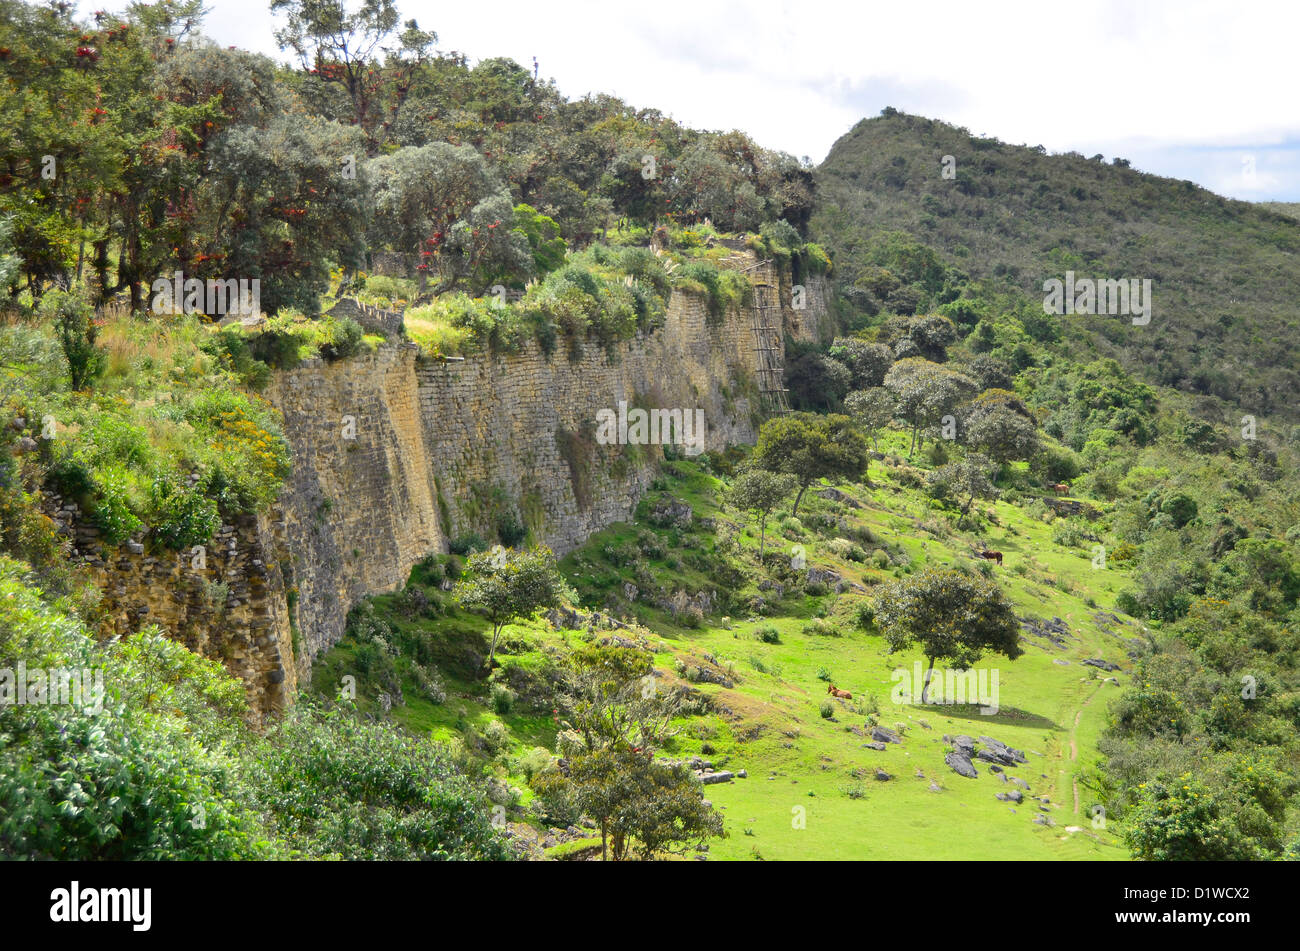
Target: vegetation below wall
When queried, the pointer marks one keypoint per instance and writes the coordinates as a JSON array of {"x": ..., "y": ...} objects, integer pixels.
[
  {"x": 751, "y": 644},
  {"x": 164, "y": 767}
]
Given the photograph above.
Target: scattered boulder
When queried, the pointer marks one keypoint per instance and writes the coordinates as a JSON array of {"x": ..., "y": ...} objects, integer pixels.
[
  {"x": 963, "y": 745},
  {"x": 835, "y": 495},
  {"x": 827, "y": 576},
  {"x": 883, "y": 776},
  {"x": 1055, "y": 630},
  {"x": 1069, "y": 507},
  {"x": 961, "y": 765},
  {"x": 876, "y": 746},
  {"x": 1014, "y": 796},
  {"x": 884, "y": 735},
  {"x": 998, "y": 752},
  {"x": 668, "y": 512},
  {"x": 1103, "y": 664}
]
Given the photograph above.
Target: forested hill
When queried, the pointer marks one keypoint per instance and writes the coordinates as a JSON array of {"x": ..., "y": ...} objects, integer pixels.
[{"x": 1225, "y": 274}]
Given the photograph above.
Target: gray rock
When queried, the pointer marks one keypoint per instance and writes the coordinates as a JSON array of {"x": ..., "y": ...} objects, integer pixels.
[
  {"x": 724, "y": 776},
  {"x": 961, "y": 765},
  {"x": 1014, "y": 796},
  {"x": 876, "y": 746},
  {"x": 999, "y": 752},
  {"x": 883, "y": 735}
]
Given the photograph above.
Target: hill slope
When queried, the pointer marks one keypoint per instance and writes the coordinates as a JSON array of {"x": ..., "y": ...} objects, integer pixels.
[{"x": 1225, "y": 275}]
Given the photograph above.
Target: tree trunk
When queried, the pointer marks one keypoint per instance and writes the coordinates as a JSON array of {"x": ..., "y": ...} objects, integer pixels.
[
  {"x": 492, "y": 652},
  {"x": 925, "y": 689},
  {"x": 794, "y": 513}
]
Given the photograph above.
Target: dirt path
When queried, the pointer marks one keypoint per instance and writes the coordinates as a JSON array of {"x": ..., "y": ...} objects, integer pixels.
[{"x": 1074, "y": 747}]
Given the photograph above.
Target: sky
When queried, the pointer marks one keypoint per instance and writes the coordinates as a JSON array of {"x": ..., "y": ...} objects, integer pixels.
[{"x": 1188, "y": 89}]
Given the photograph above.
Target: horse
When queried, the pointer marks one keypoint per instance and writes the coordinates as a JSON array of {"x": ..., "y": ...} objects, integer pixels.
[
  {"x": 991, "y": 555},
  {"x": 1060, "y": 488},
  {"x": 835, "y": 691}
]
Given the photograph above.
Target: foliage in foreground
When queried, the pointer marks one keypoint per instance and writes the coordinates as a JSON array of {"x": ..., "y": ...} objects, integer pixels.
[{"x": 165, "y": 768}]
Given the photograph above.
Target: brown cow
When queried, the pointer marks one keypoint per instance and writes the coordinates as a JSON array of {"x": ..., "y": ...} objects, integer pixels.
[
  {"x": 991, "y": 556},
  {"x": 1060, "y": 488},
  {"x": 835, "y": 691}
]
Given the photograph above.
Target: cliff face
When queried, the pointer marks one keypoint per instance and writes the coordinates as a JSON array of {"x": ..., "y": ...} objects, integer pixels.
[{"x": 394, "y": 455}]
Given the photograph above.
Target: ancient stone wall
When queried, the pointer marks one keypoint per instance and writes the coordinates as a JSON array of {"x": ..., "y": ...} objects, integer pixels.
[
  {"x": 226, "y": 600},
  {"x": 395, "y": 454}
]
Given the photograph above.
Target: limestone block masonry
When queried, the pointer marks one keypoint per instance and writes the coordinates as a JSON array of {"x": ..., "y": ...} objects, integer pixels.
[{"x": 395, "y": 454}]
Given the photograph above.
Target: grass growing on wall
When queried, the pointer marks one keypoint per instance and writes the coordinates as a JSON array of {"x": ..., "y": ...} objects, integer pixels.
[{"x": 165, "y": 437}]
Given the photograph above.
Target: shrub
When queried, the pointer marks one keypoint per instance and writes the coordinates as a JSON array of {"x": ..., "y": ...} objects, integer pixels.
[
  {"x": 821, "y": 627},
  {"x": 338, "y": 785},
  {"x": 429, "y": 683},
  {"x": 184, "y": 516},
  {"x": 74, "y": 322},
  {"x": 510, "y": 529},
  {"x": 467, "y": 544},
  {"x": 827, "y": 709},
  {"x": 503, "y": 699},
  {"x": 495, "y": 736}
]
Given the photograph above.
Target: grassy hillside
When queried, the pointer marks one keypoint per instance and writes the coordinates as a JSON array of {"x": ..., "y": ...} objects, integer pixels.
[
  {"x": 777, "y": 655},
  {"x": 1225, "y": 280}
]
